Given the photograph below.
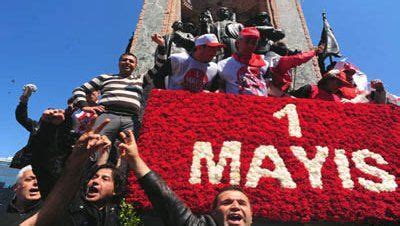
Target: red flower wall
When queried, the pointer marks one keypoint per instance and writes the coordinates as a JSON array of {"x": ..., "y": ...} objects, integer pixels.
[{"x": 175, "y": 120}]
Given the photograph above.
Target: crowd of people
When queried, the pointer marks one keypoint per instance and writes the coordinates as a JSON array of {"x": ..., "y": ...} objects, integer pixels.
[{"x": 75, "y": 163}]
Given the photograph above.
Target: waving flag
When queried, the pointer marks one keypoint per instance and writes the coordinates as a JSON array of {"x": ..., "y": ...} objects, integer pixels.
[{"x": 328, "y": 39}]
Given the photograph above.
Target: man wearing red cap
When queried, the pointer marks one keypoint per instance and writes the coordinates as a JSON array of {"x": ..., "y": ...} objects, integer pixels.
[
  {"x": 193, "y": 72},
  {"x": 327, "y": 88},
  {"x": 243, "y": 72},
  {"x": 349, "y": 92}
]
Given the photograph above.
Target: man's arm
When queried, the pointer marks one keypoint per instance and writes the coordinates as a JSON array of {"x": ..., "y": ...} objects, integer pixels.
[
  {"x": 79, "y": 94},
  {"x": 21, "y": 114},
  {"x": 161, "y": 57},
  {"x": 167, "y": 204},
  {"x": 66, "y": 187},
  {"x": 288, "y": 62}
]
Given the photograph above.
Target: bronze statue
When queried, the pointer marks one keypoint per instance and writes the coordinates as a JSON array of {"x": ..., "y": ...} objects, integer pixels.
[
  {"x": 205, "y": 22},
  {"x": 179, "y": 40},
  {"x": 268, "y": 33},
  {"x": 227, "y": 30}
]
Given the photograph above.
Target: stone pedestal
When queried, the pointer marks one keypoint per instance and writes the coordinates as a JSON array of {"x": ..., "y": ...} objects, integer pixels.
[{"x": 157, "y": 16}]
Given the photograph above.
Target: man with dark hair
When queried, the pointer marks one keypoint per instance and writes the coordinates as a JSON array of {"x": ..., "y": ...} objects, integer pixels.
[
  {"x": 81, "y": 196},
  {"x": 121, "y": 94},
  {"x": 230, "y": 207},
  {"x": 97, "y": 201}
]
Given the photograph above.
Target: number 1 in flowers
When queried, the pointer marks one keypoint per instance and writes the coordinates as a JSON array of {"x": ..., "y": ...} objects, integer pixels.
[{"x": 293, "y": 118}]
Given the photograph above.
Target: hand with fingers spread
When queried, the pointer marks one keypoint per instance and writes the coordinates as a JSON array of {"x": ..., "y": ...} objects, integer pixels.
[
  {"x": 89, "y": 142},
  {"x": 130, "y": 152},
  {"x": 103, "y": 150},
  {"x": 128, "y": 148}
]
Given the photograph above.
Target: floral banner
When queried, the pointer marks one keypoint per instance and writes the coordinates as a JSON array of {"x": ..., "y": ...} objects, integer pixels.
[{"x": 298, "y": 160}]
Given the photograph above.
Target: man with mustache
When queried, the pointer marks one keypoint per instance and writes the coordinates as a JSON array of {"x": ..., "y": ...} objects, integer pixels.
[{"x": 231, "y": 206}]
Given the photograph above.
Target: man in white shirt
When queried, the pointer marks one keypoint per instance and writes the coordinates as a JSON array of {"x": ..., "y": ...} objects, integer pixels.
[
  {"x": 244, "y": 71},
  {"x": 195, "y": 71}
]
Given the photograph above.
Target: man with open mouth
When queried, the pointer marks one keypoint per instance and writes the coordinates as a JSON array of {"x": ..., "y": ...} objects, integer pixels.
[
  {"x": 26, "y": 201},
  {"x": 231, "y": 206}
]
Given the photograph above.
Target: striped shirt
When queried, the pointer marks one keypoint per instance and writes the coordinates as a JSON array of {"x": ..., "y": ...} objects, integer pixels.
[{"x": 118, "y": 94}]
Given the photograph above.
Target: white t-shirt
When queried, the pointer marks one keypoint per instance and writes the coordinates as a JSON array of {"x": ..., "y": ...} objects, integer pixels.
[
  {"x": 190, "y": 74},
  {"x": 243, "y": 79}
]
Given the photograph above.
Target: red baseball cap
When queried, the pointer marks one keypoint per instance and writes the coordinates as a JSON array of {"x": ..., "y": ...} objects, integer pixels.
[{"x": 250, "y": 32}]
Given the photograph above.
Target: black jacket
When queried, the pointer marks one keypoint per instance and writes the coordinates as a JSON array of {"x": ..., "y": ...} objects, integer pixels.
[
  {"x": 166, "y": 203},
  {"x": 12, "y": 216},
  {"x": 81, "y": 212},
  {"x": 24, "y": 156}
]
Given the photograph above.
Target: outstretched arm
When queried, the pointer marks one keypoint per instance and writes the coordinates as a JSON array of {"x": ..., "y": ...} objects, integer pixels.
[
  {"x": 79, "y": 94},
  {"x": 167, "y": 204},
  {"x": 68, "y": 184},
  {"x": 21, "y": 114},
  {"x": 288, "y": 62}
]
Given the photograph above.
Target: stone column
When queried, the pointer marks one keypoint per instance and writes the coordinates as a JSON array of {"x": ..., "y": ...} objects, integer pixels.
[
  {"x": 288, "y": 15},
  {"x": 156, "y": 17}
]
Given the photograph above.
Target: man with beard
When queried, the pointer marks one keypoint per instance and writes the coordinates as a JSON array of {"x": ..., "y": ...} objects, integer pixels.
[
  {"x": 26, "y": 201},
  {"x": 230, "y": 207}
]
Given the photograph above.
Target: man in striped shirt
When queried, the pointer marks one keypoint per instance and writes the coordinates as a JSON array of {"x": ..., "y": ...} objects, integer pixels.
[{"x": 121, "y": 94}]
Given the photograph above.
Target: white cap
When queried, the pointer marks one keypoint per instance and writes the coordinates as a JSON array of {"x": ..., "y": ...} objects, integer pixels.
[{"x": 208, "y": 40}]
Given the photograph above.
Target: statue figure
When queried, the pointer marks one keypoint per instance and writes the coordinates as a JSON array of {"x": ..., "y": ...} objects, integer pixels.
[
  {"x": 205, "y": 22},
  {"x": 189, "y": 28},
  {"x": 179, "y": 40},
  {"x": 268, "y": 33},
  {"x": 227, "y": 31}
]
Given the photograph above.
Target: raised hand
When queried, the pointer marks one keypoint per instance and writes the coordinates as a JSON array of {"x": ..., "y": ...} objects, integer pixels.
[
  {"x": 158, "y": 39},
  {"x": 128, "y": 148},
  {"x": 320, "y": 49},
  {"x": 130, "y": 151},
  {"x": 91, "y": 140}
]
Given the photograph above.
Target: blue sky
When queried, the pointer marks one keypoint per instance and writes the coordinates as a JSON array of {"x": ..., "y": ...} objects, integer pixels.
[{"x": 59, "y": 44}]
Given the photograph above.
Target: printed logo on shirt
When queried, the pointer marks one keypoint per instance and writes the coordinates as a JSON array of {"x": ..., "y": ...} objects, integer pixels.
[
  {"x": 250, "y": 81},
  {"x": 194, "y": 80}
]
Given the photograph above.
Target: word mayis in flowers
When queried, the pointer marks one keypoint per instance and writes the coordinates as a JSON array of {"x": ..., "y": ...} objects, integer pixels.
[
  {"x": 232, "y": 149},
  {"x": 298, "y": 160}
]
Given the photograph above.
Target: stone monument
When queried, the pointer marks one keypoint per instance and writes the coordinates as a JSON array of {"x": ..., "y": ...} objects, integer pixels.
[{"x": 159, "y": 15}]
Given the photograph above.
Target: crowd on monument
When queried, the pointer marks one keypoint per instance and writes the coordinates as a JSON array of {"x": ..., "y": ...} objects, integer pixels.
[{"x": 75, "y": 163}]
